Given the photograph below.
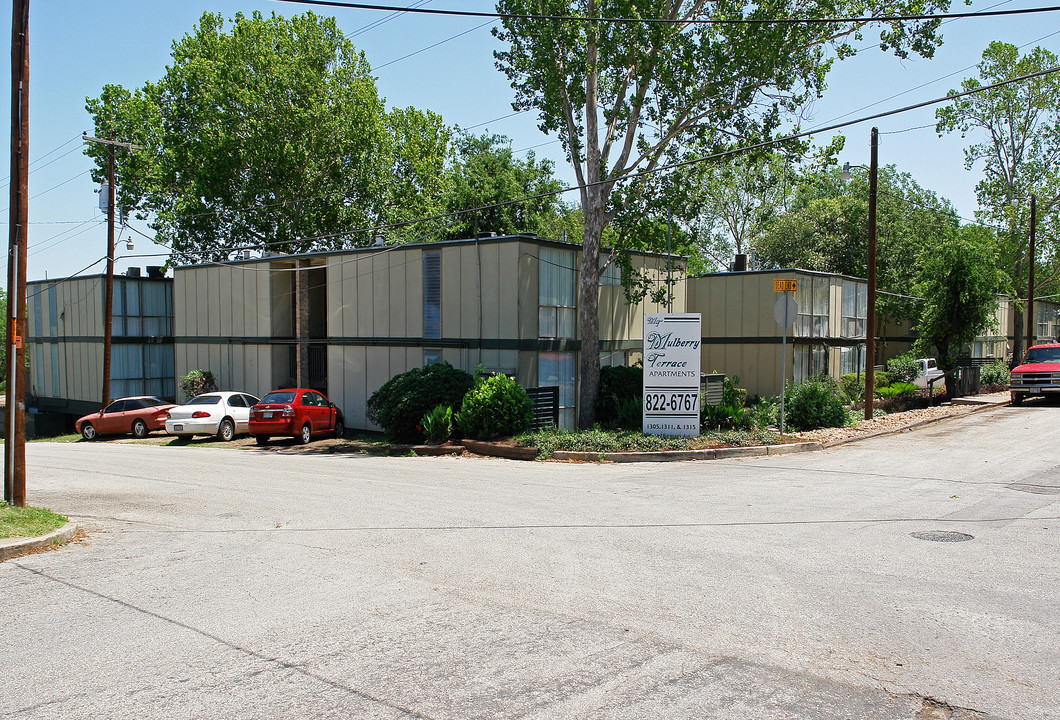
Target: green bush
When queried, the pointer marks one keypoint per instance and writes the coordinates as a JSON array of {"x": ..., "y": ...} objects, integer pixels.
[
  {"x": 882, "y": 378},
  {"x": 853, "y": 385},
  {"x": 438, "y": 424},
  {"x": 896, "y": 390},
  {"x": 903, "y": 368},
  {"x": 198, "y": 382},
  {"x": 496, "y": 406},
  {"x": 400, "y": 404},
  {"x": 996, "y": 373},
  {"x": 765, "y": 413},
  {"x": 618, "y": 402},
  {"x": 814, "y": 404}
]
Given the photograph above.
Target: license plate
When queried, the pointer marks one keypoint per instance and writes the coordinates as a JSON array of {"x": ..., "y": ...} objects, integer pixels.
[
  {"x": 1035, "y": 391},
  {"x": 178, "y": 428},
  {"x": 267, "y": 416}
]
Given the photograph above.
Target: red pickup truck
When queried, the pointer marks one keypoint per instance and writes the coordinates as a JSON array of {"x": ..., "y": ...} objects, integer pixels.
[{"x": 1038, "y": 374}]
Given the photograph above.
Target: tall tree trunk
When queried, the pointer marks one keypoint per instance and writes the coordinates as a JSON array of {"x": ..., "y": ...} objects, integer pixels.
[{"x": 589, "y": 307}]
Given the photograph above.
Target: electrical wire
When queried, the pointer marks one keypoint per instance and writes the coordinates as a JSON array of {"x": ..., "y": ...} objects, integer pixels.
[{"x": 679, "y": 21}]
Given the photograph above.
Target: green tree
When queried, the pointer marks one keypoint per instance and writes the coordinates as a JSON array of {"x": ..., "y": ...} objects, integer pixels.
[
  {"x": 629, "y": 96},
  {"x": 827, "y": 230},
  {"x": 486, "y": 177},
  {"x": 271, "y": 134},
  {"x": 959, "y": 279},
  {"x": 1020, "y": 156},
  {"x": 415, "y": 198}
]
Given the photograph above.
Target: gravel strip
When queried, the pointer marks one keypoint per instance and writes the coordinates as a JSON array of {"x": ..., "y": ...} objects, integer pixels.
[{"x": 892, "y": 422}]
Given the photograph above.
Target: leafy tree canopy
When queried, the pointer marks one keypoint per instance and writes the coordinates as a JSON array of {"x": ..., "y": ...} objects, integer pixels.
[
  {"x": 827, "y": 230},
  {"x": 1019, "y": 156},
  {"x": 627, "y": 97},
  {"x": 271, "y": 134},
  {"x": 959, "y": 278}
]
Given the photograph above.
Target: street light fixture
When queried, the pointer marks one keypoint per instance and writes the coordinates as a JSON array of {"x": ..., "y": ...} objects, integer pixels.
[{"x": 870, "y": 312}]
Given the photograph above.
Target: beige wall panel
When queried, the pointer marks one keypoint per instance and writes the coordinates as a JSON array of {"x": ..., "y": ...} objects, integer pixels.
[
  {"x": 381, "y": 294},
  {"x": 377, "y": 369},
  {"x": 399, "y": 292},
  {"x": 399, "y": 361},
  {"x": 529, "y": 291},
  {"x": 258, "y": 319},
  {"x": 353, "y": 369},
  {"x": 346, "y": 270},
  {"x": 336, "y": 390},
  {"x": 471, "y": 312},
  {"x": 492, "y": 302},
  {"x": 413, "y": 260},
  {"x": 235, "y": 294},
  {"x": 281, "y": 282},
  {"x": 333, "y": 298},
  {"x": 365, "y": 306},
  {"x": 506, "y": 291}
]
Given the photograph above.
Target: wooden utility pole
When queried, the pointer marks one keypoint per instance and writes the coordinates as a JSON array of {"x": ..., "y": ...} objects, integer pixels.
[
  {"x": 15, "y": 411},
  {"x": 870, "y": 314},
  {"x": 1031, "y": 322},
  {"x": 108, "y": 301}
]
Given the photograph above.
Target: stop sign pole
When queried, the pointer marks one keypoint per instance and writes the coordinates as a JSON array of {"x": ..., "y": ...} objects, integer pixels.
[{"x": 785, "y": 310}]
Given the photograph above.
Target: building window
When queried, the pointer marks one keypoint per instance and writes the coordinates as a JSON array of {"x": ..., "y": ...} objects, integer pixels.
[
  {"x": 432, "y": 293},
  {"x": 142, "y": 309},
  {"x": 557, "y": 369},
  {"x": 812, "y": 297},
  {"x": 617, "y": 358},
  {"x": 810, "y": 361},
  {"x": 850, "y": 359},
  {"x": 855, "y": 307},
  {"x": 556, "y": 307},
  {"x": 432, "y": 357},
  {"x": 611, "y": 274}
]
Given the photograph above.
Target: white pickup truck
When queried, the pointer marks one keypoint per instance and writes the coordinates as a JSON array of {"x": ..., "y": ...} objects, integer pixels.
[{"x": 926, "y": 371}]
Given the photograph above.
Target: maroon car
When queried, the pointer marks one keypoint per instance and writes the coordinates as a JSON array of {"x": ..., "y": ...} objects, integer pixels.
[
  {"x": 295, "y": 412},
  {"x": 137, "y": 415}
]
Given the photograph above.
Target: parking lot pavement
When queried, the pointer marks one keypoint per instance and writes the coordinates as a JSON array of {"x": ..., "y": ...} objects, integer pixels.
[{"x": 221, "y": 583}]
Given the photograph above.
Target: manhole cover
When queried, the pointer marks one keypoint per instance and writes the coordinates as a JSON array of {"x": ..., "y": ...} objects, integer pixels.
[
  {"x": 942, "y": 536},
  {"x": 1035, "y": 489}
]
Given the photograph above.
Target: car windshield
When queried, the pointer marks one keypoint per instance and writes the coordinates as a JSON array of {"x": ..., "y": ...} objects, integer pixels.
[
  {"x": 1042, "y": 355},
  {"x": 205, "y": 400},
  {"x": 280, "y": 398}
]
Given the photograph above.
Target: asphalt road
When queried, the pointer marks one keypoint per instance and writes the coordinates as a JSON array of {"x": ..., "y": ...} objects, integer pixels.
[{"x": 219, "y": 583}]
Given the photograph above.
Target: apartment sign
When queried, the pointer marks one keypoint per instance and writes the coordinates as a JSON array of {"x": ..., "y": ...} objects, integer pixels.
[{"x": 671, "y": 374}]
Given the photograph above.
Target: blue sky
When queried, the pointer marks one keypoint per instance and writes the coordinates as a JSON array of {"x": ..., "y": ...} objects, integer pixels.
[{"x": 438, "y": 63}]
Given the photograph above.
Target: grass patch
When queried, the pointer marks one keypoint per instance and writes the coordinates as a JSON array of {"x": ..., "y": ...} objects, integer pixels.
[
  {"x": 28, "y": 521},
  {"x": 599, "y": 440}
]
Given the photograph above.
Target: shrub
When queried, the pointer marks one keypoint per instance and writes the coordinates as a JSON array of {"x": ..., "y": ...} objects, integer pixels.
[
  {"x": 438, "y": 424},
  {"x": 765, "y": 413},
  {"x": 995, "y": 373},
  {"x": 496, "y": 406},
  {"x": 198, "y": 382},
  {"x": 882, "y": 378},
  {"x": 621, "y": 390},
  {"x": 853, "y": 386},
  {"x": 813, "y": 404},
  {"x": 400, "y": 404},
  {"x": 903, "y": 368},
  {"x": 895, "y": 390}
]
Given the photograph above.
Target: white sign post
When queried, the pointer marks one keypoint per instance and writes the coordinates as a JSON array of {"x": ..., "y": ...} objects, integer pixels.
[{"x": 671, "y": 374}]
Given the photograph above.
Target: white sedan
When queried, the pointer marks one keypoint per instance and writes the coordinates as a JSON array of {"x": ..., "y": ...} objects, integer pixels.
[{"x": 224, "y": 414}]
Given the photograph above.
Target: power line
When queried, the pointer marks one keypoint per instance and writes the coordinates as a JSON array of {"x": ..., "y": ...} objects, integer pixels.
[{"x": 668, "y": 21}]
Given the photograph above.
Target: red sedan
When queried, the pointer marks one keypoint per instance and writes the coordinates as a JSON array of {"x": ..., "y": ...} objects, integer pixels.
[
  {"x": 297, "y": 413},
  {"x": 137, "y": 415}
]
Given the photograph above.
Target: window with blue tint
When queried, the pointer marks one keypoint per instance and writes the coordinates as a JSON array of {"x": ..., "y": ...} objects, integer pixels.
[
  {"x": 432, "y": 293},
  {"x": 556, "y": 293},
  {"x": 557, "y": 369},
  {"x": 855, "y": 309},
  {"x": 53, "y": 312}
]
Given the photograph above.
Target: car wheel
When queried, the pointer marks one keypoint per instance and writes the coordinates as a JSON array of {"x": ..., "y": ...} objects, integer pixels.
[
  {"x": 340, "y": 428},
  {"x": 226, "y": 430},
  {"x": 261, "y": 439},
  {"x": 139, "y": 429},
  {"x": 1017, "y": 399},
  {"x": 305, "y": 434},
  {"x": 88, "y": 432}
]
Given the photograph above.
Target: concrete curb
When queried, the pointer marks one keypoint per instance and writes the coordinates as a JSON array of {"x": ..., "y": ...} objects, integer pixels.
[
  {"x": 13, "y": 547},
  {"x": 686, "y": 455}
]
